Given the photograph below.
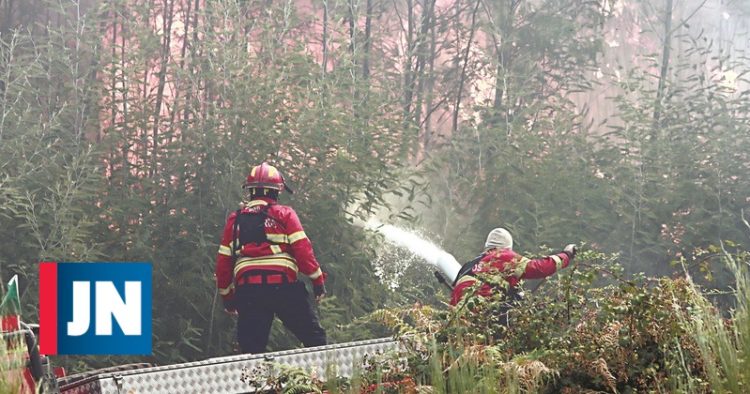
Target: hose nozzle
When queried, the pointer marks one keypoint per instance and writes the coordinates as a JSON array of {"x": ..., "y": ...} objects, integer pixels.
[{"x": 448, "y": 266}]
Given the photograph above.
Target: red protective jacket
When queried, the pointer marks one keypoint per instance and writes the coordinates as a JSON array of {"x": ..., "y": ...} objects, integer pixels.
[
  {"x": 288, "y": 252},
  {"x": 513, "y": 266}
]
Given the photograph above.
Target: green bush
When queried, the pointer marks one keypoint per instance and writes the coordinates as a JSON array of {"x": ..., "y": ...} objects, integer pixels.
[{"x": 588, "y": 329}]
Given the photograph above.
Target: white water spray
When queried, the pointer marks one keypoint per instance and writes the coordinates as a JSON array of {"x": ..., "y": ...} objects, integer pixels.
[{"x": 418, "y": 246}]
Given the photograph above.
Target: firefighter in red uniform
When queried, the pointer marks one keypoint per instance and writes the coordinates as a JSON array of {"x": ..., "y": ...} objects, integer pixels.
[
  {"x": 499, "y": 257},
  {"x": 262, "y": 251}
]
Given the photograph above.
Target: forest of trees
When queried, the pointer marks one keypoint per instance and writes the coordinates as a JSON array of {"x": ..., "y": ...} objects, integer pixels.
[{"x": 127, "y": 128}]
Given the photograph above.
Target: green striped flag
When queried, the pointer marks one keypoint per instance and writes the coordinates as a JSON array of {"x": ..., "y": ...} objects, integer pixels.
[{"x": 10, "y": 308}]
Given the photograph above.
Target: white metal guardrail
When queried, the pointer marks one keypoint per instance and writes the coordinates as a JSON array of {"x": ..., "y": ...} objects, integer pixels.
[{"x": 222, "y": 374}]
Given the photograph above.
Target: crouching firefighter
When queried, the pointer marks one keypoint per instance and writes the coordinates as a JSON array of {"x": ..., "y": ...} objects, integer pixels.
[
  {"x": 499, "y": 258},
  {"x": 263, "y": 248}
]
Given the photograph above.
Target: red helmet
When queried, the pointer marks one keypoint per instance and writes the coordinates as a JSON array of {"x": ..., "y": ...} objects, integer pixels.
[{"x": 266, "y": 176}]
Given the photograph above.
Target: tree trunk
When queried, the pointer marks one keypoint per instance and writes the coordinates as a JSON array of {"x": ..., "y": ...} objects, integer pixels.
[
  {"x": 430, "y": 82},
  {"x": 122, "y": 74},
  {"x": 462, "y": 77},
  {"x": 427, "y": 17},
  {"x": 325, "y": 37},
  {"x": 352, "y": 29},
  {"x": 179, "y": 87},
  {"x": 165, "y": 49},
  {"x": 408, "y": 76},
  {"x": 113, "y": 74},
  {"x": 186, "y": 115},
  {"x": 368, "y": 42},
  {"x": 664, "y": 69},
  {"x": 504, "y": 62}
]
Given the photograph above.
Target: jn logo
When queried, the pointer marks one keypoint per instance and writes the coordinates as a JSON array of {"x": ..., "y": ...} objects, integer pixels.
[{"x": 95, "y": 308}]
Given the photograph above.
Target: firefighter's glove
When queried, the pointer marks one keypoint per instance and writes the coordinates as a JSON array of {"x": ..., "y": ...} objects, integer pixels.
[
  {"x": 571, "y": 251},
  {"x": 230, "y": 306},
  {"x": 319, "y": 291}
]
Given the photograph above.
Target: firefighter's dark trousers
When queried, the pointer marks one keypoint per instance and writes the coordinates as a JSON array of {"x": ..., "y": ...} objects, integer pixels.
[{"x": 257, "y": 304}]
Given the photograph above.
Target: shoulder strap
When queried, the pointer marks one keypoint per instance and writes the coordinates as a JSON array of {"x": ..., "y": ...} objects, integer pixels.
[
  {"x": 467, "y": 268},
  {"x": 264, "y": 212},
  {"x": 236, "y": 225},
  {"x": 235, "y": 231}
]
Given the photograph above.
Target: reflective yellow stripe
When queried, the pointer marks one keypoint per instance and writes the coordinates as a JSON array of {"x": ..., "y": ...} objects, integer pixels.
[
  {"x": 520, "y": 267},
  {"x": 316, "y": 274},
  {"x": 255, "y": 203},
  {"x": 558, "y": 262},
  {"x": 281, "y": 259},
  {"x": 275, "y": 249},
  {"x": 227, "y": 290},
  {"x": 294, "y": 237},
  {"x": 466, "y": 278},
  {"x": 225, "y": 250},
  {"x": 278, "y": 238}
]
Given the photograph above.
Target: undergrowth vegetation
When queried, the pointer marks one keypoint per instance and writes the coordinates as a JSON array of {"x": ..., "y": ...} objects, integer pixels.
[
  {"x": 590, "y": 329},
  {"x": 12, "y": 364}
]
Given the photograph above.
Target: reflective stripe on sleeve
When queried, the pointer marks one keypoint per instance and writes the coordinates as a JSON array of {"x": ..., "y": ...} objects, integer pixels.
[
  {"x": 226, "y": 291},
  {"x": 520, "y": 267},
  {"x": 225, "y": 250},
  {"x": 558, "y": 262},
  {"x": 316, "y": 274},
  {"x": 278, "y": 238},
  {"x": 466, "y": 278},
  {"x": 275, "y": 249},
  {"x": 294, "y": 237}
]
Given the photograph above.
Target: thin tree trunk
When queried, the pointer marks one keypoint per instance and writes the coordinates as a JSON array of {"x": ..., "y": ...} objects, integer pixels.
[
  {"x": 430, "y": 82},
  {"x": 504, "y": 62},
  {"x": 325, "y": 37},
  {"x": 427, "y": 16},
  {"x": 167, "y": 31},
  {"x": 142, "y": 128},
  {"x": 408, "y": 76},
  {"x": 366, "y": 61},
  {"x": 462, "y": 77},
  {"x": 122, "y": 74},
  {"x": 113, "y": 74},
  {"x": 352, "y": 29},
  {"x": 178, "y": 88},
  {"x": 368, "y": 40},
  {"x": 664, "y": 69},
  {"x": 191, "y": 71}
]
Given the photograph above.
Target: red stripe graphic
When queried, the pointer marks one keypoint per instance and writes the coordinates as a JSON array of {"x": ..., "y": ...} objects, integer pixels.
[
  {"x": 9, "y": 323},
  {"x": 48, "y": 308}
]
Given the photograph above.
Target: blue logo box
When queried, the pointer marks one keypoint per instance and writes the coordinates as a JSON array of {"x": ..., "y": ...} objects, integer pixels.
[{"x": 95, "y": 308}]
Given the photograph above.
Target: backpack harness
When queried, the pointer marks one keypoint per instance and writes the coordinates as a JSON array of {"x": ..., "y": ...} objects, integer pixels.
[
  {"x": 512, "y": 293},
  {"x": 250, "y": 227}
]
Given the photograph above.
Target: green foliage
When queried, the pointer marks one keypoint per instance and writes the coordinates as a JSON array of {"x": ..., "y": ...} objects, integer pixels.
[
  {"x": 651, "y": 191},
  {"x": 282, "y": 379},
  {"x": 122, "y": 139},
  {"x": 589, "y": 329},
  {"x": 723, "y": 343},
  {"x": 96, "y": 165},
  {"x": 49, "y": 172},
  {"x": 12, "y": 364}
]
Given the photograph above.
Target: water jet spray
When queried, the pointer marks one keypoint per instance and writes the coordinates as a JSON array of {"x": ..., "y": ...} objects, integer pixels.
[{"x": 433, "y": 254}]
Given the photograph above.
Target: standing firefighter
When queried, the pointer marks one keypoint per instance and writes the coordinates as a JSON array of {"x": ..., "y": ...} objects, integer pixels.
[
  {"x": 262, "y": 250},
  {"x": 499, "y": 257}
]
